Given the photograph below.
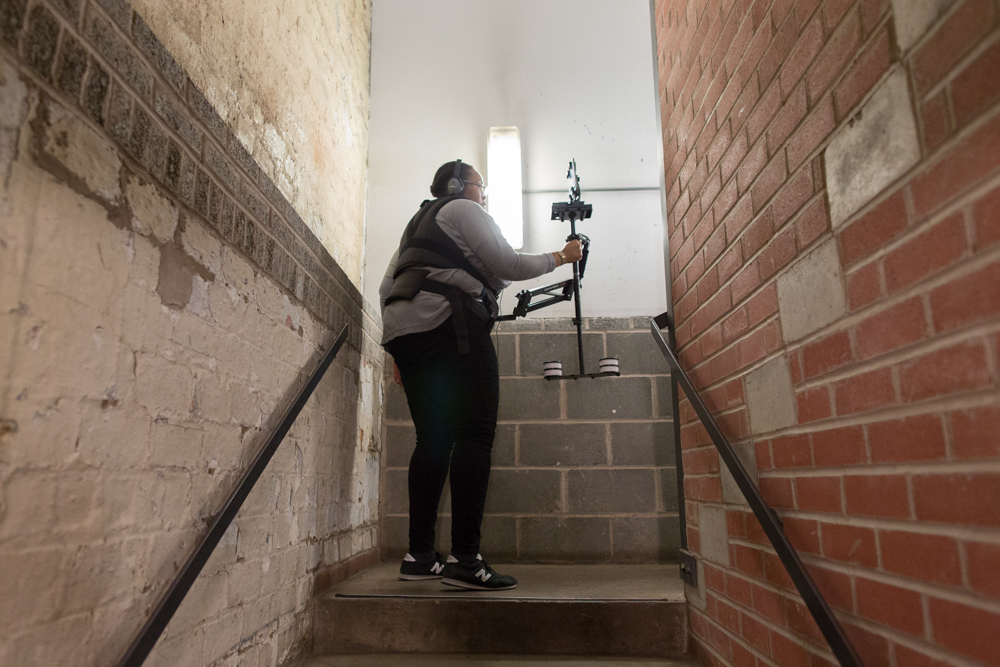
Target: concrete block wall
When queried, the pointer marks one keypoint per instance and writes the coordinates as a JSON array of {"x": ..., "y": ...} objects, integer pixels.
[
  {"x": 833, "y": 176},
  {"x": 159, "y": 300},
  {"x": 583, "y": 471}
]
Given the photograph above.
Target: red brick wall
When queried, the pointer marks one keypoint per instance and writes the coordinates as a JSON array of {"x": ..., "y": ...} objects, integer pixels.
[{"x": 888, "y": 479}]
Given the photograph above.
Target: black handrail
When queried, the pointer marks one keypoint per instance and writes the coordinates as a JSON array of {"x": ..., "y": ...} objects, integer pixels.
[
  {"x": 174, "y": 595},
  {"x": 769, "y": 521}
]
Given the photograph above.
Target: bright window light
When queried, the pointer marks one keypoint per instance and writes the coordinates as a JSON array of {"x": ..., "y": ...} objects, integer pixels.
[{"x": 503, "y": 165}]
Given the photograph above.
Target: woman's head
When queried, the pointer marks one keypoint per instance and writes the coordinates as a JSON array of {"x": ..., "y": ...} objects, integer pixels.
[{"x": 467, "y": 173}]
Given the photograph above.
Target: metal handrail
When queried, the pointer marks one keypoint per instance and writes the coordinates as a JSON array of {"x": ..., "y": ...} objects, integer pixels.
[
  {"x": 174, "y": 595},
  {"x": 769, "y": 521}
]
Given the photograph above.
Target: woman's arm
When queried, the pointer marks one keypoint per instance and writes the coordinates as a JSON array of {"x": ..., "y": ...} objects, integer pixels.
[{"x": 484, "y": 238}]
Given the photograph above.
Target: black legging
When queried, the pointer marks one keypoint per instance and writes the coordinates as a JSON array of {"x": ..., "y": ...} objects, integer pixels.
[{"x": 453, "y": 399}]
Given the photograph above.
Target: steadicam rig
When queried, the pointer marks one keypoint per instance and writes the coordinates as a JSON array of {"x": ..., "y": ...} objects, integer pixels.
[{"x": 568, "y": 290}]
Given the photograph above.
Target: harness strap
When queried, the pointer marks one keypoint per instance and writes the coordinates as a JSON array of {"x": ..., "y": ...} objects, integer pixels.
[
  {"x": 425, "y": 244},
  {"x": 444, "y": 252},
  {"x": 459, "y": 301}
]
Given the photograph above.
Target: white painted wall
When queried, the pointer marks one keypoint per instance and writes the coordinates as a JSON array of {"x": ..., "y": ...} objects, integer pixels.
[{"x": 576, "y": 76}]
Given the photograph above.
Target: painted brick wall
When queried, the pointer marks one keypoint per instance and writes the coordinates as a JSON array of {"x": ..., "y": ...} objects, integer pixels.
[
  {"x": 833, "y": 176},
  {"x": 159, "y": 299},
  {"x": 583, "y": 471}
]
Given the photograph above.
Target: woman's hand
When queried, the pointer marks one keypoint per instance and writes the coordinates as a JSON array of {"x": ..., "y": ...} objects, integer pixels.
[
  {"x": 396, "y": 377},
  {"x": 573, "y": 251}
]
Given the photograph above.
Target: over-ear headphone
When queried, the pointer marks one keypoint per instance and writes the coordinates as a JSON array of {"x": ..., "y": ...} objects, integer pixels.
[{"x": 456, "y": 185}]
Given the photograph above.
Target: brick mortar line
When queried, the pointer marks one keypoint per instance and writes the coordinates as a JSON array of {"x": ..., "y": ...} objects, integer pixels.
[
  {"x": 890, "y": 359},
  {"x": 763, "y": 324},
  {"x": 978, "y": 332},
  {"x": 934, "y": 650},
  {"x": 608, "y": 452},
  {"x": 671, "y": 121},
  {"x": 960, "y": 595},
  {"x": 915, "y": 229},
  {"x": 723, "y": 412},
  {"x": 870, "y": 469},
  {"x": 703, "y": 21},
  {"x": 961, "y": 201},
  {"x": 789, "y": 224},
  {"x": 743, "y": 371},
  {"x": 833, "y": 84},
  {"x": 681, "y": 58},
  {"x": 930, "y": 31},
  {"x": 809, "y": 646},
  {"x": 933, "y": 31},
  {"x": 949, "y": 403},
  {"x": 988, "y": 42},
  {"x": 207, "y": 135},
  {"x": 975, "y": 328},
  {"x": 985, "y": 117},
  {"x": 967, "y": 598},
  {"x": 925, "y": 611},
  {"x": 978, "y": 534},
  {"x": 788, "y": 633},
  {"x": 564, "y": 492},
  {"x": 785, "y": 593},
  {"x": 818, "y": 150}
]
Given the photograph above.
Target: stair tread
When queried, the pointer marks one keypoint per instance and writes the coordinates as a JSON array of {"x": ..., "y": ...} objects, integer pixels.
[
  {"x": 602, "y": 582},
  {"x": 432, "y": 660}
]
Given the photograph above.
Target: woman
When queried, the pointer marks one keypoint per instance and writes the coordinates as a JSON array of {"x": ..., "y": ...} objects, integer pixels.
[{"x": 438, "y": 301}]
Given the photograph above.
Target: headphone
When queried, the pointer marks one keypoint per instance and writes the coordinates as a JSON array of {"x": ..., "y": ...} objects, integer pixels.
[{"x": 456, "y": 185}]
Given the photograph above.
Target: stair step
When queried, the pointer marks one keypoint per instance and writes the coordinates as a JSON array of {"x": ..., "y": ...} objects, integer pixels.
[
  {"x": 593, "y": 610},
  {"x": 425, "y": 660}
]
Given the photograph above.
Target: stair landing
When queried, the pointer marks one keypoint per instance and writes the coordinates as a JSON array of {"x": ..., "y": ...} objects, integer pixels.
[
  {"x": 410, "y": 660},
  {"x": 567, "y": 610}
]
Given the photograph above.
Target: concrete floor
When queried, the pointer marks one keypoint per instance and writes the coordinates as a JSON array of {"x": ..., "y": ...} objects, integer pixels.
[
  {"x": 410, "y": 660},
  {"x": 534, "y": 582}
]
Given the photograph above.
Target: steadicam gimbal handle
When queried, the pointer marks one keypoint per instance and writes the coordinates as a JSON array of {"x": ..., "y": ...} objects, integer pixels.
[{"x": 585, "y": 242}]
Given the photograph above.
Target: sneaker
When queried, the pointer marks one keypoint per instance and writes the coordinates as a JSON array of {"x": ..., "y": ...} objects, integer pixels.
[
  {"x": 418, "y": 570},
  {"x": 477, "y": 575}
]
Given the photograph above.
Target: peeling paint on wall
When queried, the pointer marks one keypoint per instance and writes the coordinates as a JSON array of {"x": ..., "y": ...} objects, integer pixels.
[{"x": 142, "y": 356}]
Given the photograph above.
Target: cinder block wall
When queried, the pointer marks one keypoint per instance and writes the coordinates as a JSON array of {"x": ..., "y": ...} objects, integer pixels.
[
  {"x": 583, "y": 471},
  {"x": 832, "y": 170},
  {"x": 159, "y": 298}
]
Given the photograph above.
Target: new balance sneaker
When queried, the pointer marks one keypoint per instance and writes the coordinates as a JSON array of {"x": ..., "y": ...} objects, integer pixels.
[
  {"x": 418, "y": 570},
  {"x": 477, "y": 575}
]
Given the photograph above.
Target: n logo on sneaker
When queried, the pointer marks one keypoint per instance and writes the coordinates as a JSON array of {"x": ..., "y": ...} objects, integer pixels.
[
  {"x": 482, "y": 574},
  {"x": 437, "y": 568}
]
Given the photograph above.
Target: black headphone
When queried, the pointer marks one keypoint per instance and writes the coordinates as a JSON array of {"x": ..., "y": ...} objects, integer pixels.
[{"x": 456, "y": 185}]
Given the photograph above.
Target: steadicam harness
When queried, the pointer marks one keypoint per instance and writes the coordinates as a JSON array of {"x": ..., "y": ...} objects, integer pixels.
[{"x": 424, "y": 244}]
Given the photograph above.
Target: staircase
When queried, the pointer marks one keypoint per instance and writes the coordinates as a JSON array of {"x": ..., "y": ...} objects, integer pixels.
[
  {"x": 582, "y": 509},
  {"x": 558, "y": 614}
]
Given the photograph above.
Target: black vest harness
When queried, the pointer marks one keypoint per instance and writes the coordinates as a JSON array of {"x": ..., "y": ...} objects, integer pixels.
[{"x": 424, "y": 244}]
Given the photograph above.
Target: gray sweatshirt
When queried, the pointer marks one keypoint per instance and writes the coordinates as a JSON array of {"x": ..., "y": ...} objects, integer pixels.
[{"x": 479, "y": 238}]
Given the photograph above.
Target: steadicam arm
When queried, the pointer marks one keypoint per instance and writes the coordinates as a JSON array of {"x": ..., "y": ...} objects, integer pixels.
[{"x": 567, "y": 290}]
